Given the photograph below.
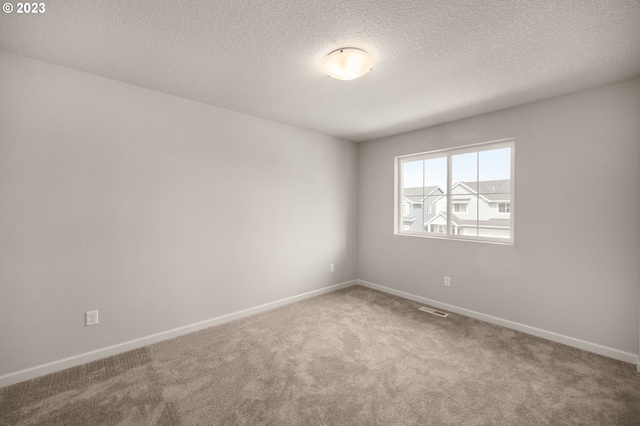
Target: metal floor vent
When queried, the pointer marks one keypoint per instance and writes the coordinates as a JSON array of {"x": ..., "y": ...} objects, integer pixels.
[{"x": 434, "y": 312}]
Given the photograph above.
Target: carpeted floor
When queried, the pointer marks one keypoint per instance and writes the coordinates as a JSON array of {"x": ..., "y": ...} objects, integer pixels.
[{"x": 354, "y": 356}]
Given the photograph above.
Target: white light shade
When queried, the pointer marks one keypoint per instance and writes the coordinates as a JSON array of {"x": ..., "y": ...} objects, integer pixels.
[{"x": 347, "y": 63}]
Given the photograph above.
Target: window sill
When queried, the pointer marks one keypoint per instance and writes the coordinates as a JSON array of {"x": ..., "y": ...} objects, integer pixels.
[{"x": 452, "y": 238}]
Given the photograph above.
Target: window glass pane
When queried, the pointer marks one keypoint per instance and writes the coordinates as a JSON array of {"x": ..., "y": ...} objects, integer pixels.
[
  {"x": 435, "y": 173},
  {"x": 412, "y": 172},
  {"x": 435, "y": 201},
  {"x": 495, "y": 164},
  {"x": 412, "y": 194},
  {"x": 495, "y": 192},
  {"x": 464, "y": 168},
  {"x": 464, "y": 197}
]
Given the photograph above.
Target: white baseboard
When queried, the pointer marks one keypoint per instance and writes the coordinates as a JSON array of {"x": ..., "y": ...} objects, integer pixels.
[
  {"x": 52, "y": 367},
  {"x": 549, "y": 335}
]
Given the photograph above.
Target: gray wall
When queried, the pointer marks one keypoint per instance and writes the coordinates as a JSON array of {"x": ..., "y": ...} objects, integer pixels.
[
  {"x": 575, "y": 265},
  {"x": 162, "y": 212},
  {"x": 158, "y": 211}
]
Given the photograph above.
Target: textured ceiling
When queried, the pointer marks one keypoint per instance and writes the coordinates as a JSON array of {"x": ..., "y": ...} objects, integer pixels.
[{"x": 436, "y": 60}]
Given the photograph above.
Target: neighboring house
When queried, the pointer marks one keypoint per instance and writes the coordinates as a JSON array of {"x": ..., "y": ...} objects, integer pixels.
[
  {"x": 418, "y": 207},
  {"x": 484, "y": 211},
  {"x": 487, "y": 211}
]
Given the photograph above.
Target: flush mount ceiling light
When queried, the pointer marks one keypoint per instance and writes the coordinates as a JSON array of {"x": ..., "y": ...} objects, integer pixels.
[{"x": 347, "y": 63}]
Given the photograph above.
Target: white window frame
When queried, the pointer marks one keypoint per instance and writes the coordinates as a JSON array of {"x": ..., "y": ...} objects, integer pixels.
[
  {"x": 438, "y": 227},
  {"x": 448, "y": 153},
  {"x": 507, "y": 205},
  {"x": 460, "y": 203}
]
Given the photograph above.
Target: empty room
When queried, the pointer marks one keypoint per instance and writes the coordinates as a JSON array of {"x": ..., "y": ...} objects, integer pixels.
[{"x": 338, "y": 213}]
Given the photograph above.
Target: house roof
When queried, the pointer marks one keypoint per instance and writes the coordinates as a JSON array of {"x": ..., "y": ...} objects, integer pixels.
[
  {"x": 483, "y": 223},
  {"x": 418, "y": 194},
  {"x": 492, "y": 190},
  {"x": 506, "y": 223},
  {"x": 423, "y": 191}
]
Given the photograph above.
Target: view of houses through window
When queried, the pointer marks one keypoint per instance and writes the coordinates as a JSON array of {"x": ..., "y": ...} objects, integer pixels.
[{"x": 474, "y": 183}]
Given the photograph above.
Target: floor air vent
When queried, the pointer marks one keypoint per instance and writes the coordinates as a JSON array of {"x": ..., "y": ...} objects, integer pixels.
[{"x": 434, "y": 312}]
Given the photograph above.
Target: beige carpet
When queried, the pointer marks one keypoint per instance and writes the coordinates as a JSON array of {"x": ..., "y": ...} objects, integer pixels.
[{"x": 354, "y": 356}]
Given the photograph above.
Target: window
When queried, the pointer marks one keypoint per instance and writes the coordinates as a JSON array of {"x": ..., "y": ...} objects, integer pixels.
[
  {"x": 438, "y": 229},
  {"x": 460, "y": 207},
  {"x": 468, "y": 192}
]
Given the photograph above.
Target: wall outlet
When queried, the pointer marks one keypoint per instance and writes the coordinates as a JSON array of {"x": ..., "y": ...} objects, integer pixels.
[
  {"x": 447, "y": 281},
  {"x": 91, "y": 318},
  {"x": 332, "y": 268}
]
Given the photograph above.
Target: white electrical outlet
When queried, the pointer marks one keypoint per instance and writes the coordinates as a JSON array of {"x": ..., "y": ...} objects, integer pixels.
[
  {"x": 91, "y": 318},
  {"x": 332, "y": 268},
  {"x": 447, "y": 281}
]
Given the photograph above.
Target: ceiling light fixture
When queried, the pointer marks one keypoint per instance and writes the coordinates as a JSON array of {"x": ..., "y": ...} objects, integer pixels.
[{"x": 347, "y": 63}]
